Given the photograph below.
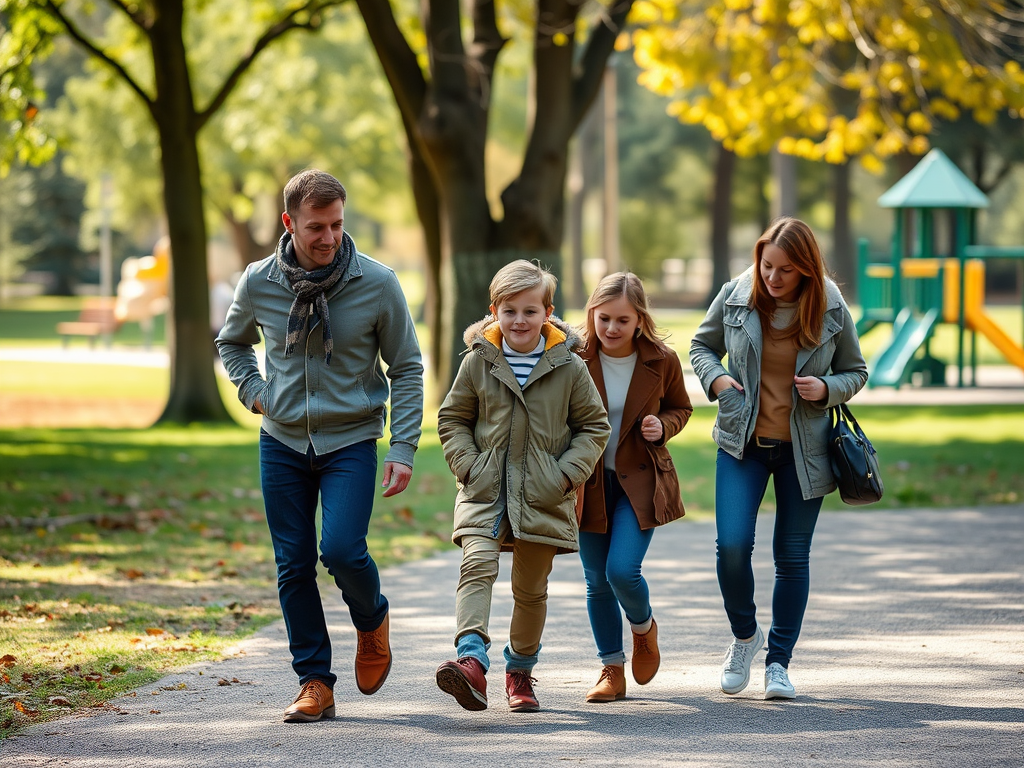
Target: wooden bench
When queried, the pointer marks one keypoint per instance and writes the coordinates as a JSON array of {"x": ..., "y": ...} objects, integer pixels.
[{"x": 96, "y": 319}]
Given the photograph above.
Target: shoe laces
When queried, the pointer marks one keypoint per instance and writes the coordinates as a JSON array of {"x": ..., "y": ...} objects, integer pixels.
[
  {"x": 736, "y": 656},
  {"x": 640, "y": 644},
  {"x": 776, "y": 673},
  {"x": 370, "y": 642},
  {"x": 314, "y": 689},
  {"x": 521, "y": 679}
]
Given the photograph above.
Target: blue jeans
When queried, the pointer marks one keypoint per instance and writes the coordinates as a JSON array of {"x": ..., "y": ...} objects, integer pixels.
[
  {"x": 344, "y": 481},
  {"x": 611, "y": 565},
  {"x": 739, "y": 490}
]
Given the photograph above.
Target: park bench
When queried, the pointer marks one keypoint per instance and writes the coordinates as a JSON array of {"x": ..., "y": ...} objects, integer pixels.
[{"x": 96, "y": 319}]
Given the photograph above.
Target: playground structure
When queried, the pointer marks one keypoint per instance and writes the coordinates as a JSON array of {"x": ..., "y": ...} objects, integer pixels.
[
  {"x": 142, "y": 293},
  {"x": 934, "y": 275}
]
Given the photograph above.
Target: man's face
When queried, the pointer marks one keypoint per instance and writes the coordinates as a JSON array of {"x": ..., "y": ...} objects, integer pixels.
[{"x": 316, "y": 233}]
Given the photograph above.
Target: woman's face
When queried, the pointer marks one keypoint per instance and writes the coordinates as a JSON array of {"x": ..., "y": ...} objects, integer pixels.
[{"x": 779, "y": 275}]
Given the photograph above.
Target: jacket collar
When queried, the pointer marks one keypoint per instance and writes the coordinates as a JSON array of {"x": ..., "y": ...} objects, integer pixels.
[{"x": 352, "y": 271}]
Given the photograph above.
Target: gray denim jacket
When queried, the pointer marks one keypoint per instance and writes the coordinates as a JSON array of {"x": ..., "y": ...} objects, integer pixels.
[
  {"x": 733, "y": 328},
  {"x": 305, "y": 401}
]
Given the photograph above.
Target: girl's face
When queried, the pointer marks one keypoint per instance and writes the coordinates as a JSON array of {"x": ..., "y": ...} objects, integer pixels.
[
  {"x": 779, "y": 275},
  {"x": 616, "y": 323},
  {"x": 521, "y": 317}
]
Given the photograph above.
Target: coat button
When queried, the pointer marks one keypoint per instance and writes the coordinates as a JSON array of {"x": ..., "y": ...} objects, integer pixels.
[
  {"x": 643, "y": 466},
  {"x": 622, "y": 475}
]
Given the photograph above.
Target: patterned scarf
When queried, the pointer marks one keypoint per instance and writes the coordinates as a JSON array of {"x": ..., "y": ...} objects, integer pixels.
[{"x": 311, "y": 289}]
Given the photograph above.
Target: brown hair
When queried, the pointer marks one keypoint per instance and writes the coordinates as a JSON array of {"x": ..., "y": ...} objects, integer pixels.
[
  {"x": 317, "y": 188},
  {"x": 796, "y": 239},
  {"x": 627, "y": 285},
  {"x": 519, "y": 276}
]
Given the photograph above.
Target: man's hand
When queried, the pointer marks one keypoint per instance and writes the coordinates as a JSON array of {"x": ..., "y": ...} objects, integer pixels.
[{"x": 396, "y": 478}]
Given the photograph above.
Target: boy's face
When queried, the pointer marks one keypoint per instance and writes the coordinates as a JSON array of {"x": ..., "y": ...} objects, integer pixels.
[{"x": 521, "y": 318}]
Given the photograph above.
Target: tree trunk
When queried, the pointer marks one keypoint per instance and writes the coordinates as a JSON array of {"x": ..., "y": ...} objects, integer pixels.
[
  {"x": 843, "y": 259},
  {"x": 784, "y": 201},
  {"x": 721, "y": 220},
  {"x": 194, "y": 395}
]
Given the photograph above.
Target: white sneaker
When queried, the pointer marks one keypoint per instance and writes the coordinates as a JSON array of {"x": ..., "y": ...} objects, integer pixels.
[
  {"x": 736, "y": 669},
  {"x": 776, "y": 683}
]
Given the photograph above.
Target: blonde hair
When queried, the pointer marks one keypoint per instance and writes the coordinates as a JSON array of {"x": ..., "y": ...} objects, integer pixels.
[
  {"x": 797, "y": 241},
  {"x": 519, "y": 276},
  {"x": 628, "y": 286}
]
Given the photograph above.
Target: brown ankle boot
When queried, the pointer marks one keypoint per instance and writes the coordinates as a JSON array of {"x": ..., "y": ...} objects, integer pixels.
[
  {"x": 646, "y": 656},
  {"x": 373, "y": 658},
  {"x": 611, "y": 686}
]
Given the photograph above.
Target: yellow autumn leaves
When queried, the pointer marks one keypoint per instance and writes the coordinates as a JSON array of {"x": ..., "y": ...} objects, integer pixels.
[{"x": 825, "y": 79}]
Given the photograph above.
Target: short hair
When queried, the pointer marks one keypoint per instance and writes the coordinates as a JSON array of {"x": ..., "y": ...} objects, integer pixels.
[
  {"x": 797, "y": 241},
  {"x": 627, "y": 285},
  {"x": 519, "y": 276},
  {"x": 317, "y": 188}
]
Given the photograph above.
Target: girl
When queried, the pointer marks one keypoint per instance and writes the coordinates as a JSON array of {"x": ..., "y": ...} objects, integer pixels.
[
  {"x": 634, "y": 488},
  {"x": 793, "y": 353},
  {"x": 521, "y": 428}
]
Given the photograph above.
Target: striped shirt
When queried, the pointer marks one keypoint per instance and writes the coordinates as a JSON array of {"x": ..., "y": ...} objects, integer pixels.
[{"x": 523, "y": 363}]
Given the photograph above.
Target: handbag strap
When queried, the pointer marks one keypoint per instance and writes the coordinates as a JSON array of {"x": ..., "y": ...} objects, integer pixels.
[{"x": 842, "y": 411}]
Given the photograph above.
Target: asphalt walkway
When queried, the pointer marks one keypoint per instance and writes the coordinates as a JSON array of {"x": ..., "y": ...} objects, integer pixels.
[{"x": 912, "y": 655}]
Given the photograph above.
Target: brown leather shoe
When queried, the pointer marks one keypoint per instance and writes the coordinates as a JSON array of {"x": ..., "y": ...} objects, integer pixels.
[
  {"x": 519, "y": 691},
  {"x": 373, "y": 658},
  {"x": 611, "y": 686},
  {"x": 646, "y": 656},
  {"x": 314, "y": 701},
  {"x": 466, "y": 680}
]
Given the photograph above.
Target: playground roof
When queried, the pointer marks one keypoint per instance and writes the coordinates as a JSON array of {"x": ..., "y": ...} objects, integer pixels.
[{"x": 935, "y": 182}]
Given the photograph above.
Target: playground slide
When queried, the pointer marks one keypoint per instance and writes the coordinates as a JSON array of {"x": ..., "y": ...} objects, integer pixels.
[
  {"x": 908, "y": 334},
  {"x": 983, "y": 324}
]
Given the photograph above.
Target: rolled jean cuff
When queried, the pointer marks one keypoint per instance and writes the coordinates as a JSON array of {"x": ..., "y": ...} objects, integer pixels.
[
  {"x": 472, "y": 645},
  {"x": 514, "y": 660},
  {"x": 615, "y": 659}
]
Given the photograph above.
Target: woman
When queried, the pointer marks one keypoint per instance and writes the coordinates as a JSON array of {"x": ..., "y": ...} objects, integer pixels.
[
  {"x": 634, "y": 488},
  {"x": 793, "y": 353}
]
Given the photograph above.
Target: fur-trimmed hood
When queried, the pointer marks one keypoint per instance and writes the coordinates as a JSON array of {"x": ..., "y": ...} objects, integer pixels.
[{"x": 555, "y": 331}]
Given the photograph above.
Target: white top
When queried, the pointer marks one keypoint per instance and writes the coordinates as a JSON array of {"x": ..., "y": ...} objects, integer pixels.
[
  {"x": 523, "y": 363},
  {"x": 618, "y": 371}
]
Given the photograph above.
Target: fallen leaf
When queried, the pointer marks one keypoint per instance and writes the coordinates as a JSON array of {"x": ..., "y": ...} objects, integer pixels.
[
  {"x": 132, "y": 573},
  {"x": 92, "y": 677},
  {"x": 222, "y": 681},
  {"x": 405, "y": 513},
  {"x": 154, "y": 631},
  {"x": 19, "y": 707},
  {"x": 116, "y": 670},
  {"x": 8, "y": 661},
  {"x": 154, "y": 711},
  {"x": 58, "y": 701}
]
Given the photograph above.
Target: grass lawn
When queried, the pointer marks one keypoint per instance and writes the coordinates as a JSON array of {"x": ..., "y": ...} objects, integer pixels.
[{"x": 125, "y": 553}]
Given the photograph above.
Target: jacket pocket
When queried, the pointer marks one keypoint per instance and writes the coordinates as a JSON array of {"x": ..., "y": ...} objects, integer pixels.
[
  {"x": 730, "y": 424},
  {"x": 483, "y": 481},
  {"x": 544, "y": 483}
]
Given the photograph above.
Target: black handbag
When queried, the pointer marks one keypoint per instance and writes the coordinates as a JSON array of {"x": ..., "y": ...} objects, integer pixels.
[{"x": 853, "y": 459}]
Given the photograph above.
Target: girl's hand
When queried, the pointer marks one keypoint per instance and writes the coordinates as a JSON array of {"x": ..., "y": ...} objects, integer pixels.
[
  {"x": 724, "y": 382},
  {"x": 811, "y": 388},
  {"x": 651, "y": 428}
]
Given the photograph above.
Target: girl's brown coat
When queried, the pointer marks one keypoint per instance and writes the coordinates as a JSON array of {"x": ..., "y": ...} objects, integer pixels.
[{"x": 645, "y": 469}]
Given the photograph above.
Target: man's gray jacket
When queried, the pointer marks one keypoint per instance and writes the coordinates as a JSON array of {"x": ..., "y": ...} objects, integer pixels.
[{"x": 304, "y": 400}]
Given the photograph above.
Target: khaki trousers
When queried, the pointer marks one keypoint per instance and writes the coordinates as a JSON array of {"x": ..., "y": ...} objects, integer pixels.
[{"x": 531, "y": 566}]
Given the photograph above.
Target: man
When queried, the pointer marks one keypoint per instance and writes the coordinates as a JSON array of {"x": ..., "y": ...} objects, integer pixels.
[{"x": 323, "y": 411}]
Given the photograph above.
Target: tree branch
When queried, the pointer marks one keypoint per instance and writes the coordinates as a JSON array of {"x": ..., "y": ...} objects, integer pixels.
[
  {"x": 401, "y": 67},
  {"x": 443, "y": 25},
  {"x": 136, "y": 17},
  {"x": 78, "y": 36},
  {"x": 286, "y": 23},
  {"x": 599, "y": 47},
  {"x": 487, "y": 44}
]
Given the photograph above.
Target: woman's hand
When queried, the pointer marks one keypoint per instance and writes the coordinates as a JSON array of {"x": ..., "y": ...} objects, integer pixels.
[
  {"x": 651, "y": 428},
  {"x": 811, "y": 388},
  {"x": 724, "y": 382}
]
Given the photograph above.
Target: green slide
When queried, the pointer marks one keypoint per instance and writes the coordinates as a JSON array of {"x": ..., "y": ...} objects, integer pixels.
[{"x": 889, "y": 367}]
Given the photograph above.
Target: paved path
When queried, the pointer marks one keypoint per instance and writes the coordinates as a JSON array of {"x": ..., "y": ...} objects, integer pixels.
[{"x": 912, "y": 655}]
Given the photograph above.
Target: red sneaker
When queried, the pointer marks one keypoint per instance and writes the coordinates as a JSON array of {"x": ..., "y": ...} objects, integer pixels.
[
  {"x": 519, "y": 691},
  {"x": 466, "y": 680}
]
